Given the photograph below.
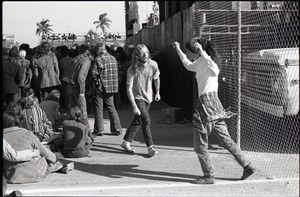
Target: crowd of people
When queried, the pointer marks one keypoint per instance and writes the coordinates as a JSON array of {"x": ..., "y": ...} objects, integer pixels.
[{"x": 49, "y": 92}]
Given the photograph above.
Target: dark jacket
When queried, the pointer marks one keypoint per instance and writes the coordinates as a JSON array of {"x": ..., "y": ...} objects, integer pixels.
[
  {"x": 77, "y": 72},
  {"x": 77, "y": 139},
  {"x": 12, "y": 76}
]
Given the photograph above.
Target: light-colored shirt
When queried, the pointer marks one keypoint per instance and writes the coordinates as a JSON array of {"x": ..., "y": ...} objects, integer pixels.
[
  {"x": 10, "y": 154},
  {"x": 142, "y": 81},
  {"x": 206, "y": 70}
]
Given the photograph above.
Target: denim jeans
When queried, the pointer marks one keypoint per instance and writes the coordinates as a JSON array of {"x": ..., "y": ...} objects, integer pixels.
[
  {"x": 108, "y": 98},
  {"x": 201, "y": 133},
  {"x": 141, "y": 120}
]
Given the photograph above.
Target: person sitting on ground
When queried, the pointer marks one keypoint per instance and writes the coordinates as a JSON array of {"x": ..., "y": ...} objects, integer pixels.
[
  {"x": 51, "y": 106},
  {"x": 19, "y": 138},
  {"x": 77, "y": 134},
  {"x": 10, "y": 154},
  {"x": 35, "y": 119},
  {"x": 28, "y": 91}
]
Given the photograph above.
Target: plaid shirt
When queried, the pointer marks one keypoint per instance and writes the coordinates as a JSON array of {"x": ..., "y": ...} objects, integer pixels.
[
  {"x": 210, "y": 108},
  {"x": 108, "y": 75}
]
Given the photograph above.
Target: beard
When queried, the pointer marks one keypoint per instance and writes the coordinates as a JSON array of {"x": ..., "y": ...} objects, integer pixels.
[{"x": 143, "y": 60}]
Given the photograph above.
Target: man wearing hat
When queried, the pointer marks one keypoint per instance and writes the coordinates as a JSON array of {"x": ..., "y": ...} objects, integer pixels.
[{"x": 12, "y": 76}]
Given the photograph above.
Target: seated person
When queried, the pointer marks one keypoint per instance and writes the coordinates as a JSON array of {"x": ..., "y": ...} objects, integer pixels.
[
  {"x": 51, "y": 106},
  {"x": 10, "y": 154},
  {"x": 29, "y": 92},
  {"x": 35, "y": 119},
  {"x": 19, "y": 138},
  {"x": 77, "y": 134}
]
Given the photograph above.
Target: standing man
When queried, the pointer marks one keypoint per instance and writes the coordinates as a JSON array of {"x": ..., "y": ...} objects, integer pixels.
[
  {"x": 25, "y": 69},
  {"x": 75, "y": 78},
  {"x": 12, "y": 76},
  {"x": 140, "y": 76},
  {"x": 209, "y": 114},
  {"x": 63, "y": 63},
  {"x": 105, "y": 71}
]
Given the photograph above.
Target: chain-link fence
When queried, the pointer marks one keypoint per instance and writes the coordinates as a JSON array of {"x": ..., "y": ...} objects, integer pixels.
[{"x": 259, "y": 78}]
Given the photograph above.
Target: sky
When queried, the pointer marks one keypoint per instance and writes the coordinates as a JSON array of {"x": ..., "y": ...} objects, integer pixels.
[{"x": 20, "y": 17}]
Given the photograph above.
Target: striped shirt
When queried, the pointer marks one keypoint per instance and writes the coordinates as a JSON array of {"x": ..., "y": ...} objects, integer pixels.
[
  {"x": 142, "y": 80},
  {"x": 36, "y": 121}
]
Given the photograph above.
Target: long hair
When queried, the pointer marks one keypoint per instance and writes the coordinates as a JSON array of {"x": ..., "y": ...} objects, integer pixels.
[
  {"x": 40, "y": 51},
  {"x": 14, "y": 107},
  {"x": 54, "y": 95},
  {"x": 26, "y": 102},
  {"x": 135, "y": 59},
  {"x": 75, "y": 113},
  {"x": 207, "y": 46},
  {"x": 10, "y": 119}
]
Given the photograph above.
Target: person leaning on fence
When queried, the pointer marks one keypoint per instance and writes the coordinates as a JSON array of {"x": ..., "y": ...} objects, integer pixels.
[
  {"x": 140, "y": 76},
  {"x": 209, "y": 114}
]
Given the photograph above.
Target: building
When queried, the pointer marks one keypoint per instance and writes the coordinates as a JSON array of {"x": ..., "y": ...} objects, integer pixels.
[
  {"x": 8, "y": 40},
  {"x": 132, "y": 18}
]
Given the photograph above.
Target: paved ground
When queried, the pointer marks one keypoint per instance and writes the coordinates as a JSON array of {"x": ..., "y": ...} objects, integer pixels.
[{"x": 109, "y": 171}]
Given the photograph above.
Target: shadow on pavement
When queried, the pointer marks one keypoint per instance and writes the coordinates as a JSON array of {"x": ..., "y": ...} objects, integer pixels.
[{"x": 125, "y": 171}]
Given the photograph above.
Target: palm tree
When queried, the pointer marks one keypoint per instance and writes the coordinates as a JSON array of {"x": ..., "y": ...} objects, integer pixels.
[
  {"x": 103, "y": 22},
  {"x": 43, "y": 28}
]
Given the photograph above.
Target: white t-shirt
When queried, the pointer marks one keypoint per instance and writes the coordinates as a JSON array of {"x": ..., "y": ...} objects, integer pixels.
[{"x": 206, "y": 70}]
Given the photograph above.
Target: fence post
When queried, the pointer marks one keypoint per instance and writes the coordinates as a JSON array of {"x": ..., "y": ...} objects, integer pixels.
[{"x": 239, "y": 74}]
